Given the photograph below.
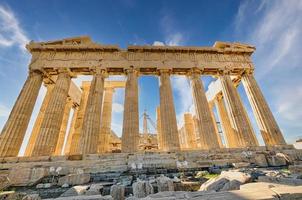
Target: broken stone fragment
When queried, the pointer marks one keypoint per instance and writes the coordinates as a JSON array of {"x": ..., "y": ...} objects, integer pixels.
[
  {"x": 164, "y": 183},
  {"x": 142, "y": 189},
  {"x": 117, "y": 192},
  {"x": 75, "y": 191},
  {"x": 74, "y": 179}
]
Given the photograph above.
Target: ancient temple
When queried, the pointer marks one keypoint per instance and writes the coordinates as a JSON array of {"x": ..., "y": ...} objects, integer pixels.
[{"x": 56, "y": 63}]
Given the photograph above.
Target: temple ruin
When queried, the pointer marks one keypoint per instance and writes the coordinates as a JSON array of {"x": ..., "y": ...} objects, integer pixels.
[{"x": 60, "y": 155}]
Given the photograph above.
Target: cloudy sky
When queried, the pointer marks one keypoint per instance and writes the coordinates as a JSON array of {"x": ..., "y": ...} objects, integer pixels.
[{"x": 274, "y": 27}]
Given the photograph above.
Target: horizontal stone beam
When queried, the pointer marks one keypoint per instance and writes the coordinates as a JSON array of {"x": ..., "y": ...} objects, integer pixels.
[{"x": 81, "y": 54}]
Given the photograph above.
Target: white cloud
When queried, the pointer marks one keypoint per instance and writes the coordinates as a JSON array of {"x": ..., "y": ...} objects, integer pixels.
[
  {"x": 158, "y": 43},
  {"x": 182, "y": 87},
  {"x": 277, "y": 34},
  {"x": 117, "y": 107},
  {"x": 4, "y": 111},
  {"x": 10, "y": 32},
  {"x": 174, "y": 39}
]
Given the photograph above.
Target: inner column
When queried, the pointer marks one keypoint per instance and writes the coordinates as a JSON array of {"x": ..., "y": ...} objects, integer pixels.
[
  {"x": 169, "y": 131},
  {"x": 130, "y": 134}
]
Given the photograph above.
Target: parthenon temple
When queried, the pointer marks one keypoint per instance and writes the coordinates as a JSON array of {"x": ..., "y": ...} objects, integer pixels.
[{"x": 56, "y": 63}]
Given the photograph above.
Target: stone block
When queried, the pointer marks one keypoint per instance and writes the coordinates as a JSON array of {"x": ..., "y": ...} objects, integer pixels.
[
  {"x": 74, "y": 179},
  {"x": 26, "y": 176},
  {"x": 75, "y": 157},
  {"x": 241, "y": 164},
  {"x": 32, "y": 197},
  {"x": 280, "y": 180},
  {"x": 10, "y": 159},
  {"x": 4, "y": 182},
  {"x": 75, "y": 191},
  {"x": 34, "y": 159},
  {"x": 59, "y": 158},
  {"x": 142, "y": 189},
  {"x": 295, "y": 169},
  {"x": 260, "y": 160},
  {"x": 117, "y": 192},
  {"x": 164, "y": 183},
  {"x": 276, "y": 161}
]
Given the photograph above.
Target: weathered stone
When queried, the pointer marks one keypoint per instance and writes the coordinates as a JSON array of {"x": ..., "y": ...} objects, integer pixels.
[
  {"x": 280, "y": 180},
  {"x": 26, "y": 176},
  {"x": 215, "y": 184},
  {"x": 117, "y": 192},
  {"x": 81, "y": 197},
  {"x": 75, "y": 191},
  {"x": 94, "y": 189},
  {"x": 241, "y": 164},
  {"x": 12, "y": 195},
  {"x": 295, "y": 169},
  {"x": 74, "y": 179},
  {"x": 4, "y": 182},
  {"x": 164, "y": 183},
  {"x": 260, "y": 160},
  {"x": 276, "y": 161},
  {"x": 142, "y": 189},
  {"x": 43, "y": 185},
  {"x": 231, "y": 185},
  {"x": 32, "y": 197}
]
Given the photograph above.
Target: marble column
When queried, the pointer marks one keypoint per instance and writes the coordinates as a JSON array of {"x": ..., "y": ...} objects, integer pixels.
[
  {"x": 227, "y": 129},
  {"x": 13, "y": 132},
  {"x": 92, "y": 117},
  {"x": 211, "y": 105},
  {"x": 170, "y": 139},
  {"x": 51, "y": 123},
  {"x": 34, "y": 134},
  {"x": 61, "y": 138},
  {"x": 130, "y": 135},
  {"x": 206, "y": 128},
  {"x": 75, "y": 148},
  {"x": 106, "y": 121},
  {"x": 237, "y": 114},
  {"x": 190, "y": 132},
  {"x": 71, "y": 130},
  {"x": 158, "y": 127},
  {"x": 269, "y": 128}
]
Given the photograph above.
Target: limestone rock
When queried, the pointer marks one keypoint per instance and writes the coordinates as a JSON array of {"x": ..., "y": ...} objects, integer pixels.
[
  {"x": 94, "y": 189},
  {"x": 241, "y": 164},
  {"x": 4, "y": 182},
  {"x": 75, "y": 191},
  {"x": 26, "y": 176},
  {"x": 32, "y": 197},
  {"x": 260, "y": 160},
  {"x": 89, "y": 197},
  {"x": 164, "y": 183},
  {"x": 43, "y": 185},
  {"x": 228, "y": 180},
  {"x": 276, "y": 161},
  {"x": 142, "y": 189},
  {"x": 215, "y": 184},
  {"x": 117, "y": 192},
  {"x": 280, "y": 180},
  {"x": 74, "y": 179}
]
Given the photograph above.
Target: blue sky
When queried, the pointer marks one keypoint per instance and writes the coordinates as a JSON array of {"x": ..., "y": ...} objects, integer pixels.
[{"x": 274, "y": 27}]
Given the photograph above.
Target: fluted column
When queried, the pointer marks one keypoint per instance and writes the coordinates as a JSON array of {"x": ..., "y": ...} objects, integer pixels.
[
  {"x": 75, "y": 148},
  {"x": 92, "y": 117},
  {"x": 106, "y": 121},
  {"x": 206, "y": 129},
  {"x": 51, "y": 123},
  {"x": 158, "y": 127},
  {"x": 130, "y": 135},
  {"x": 13, "y": 132},
  {"x": 237, "y": 114},
  {"x": 61, "y": 138},
  {"x": 71, "y": 130},
  {"x": 211, "y": 105},
  {"x": 170, "y": 140},
  {"x": 190, "y": 132},
  {"x": 269, "y": 128},
  {"x": 34, "y": 134},
  {"x": 227, "y": 129}
]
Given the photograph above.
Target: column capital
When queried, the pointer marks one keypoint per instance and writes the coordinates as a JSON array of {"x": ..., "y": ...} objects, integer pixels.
[
  {"x": 99, "y": 72},
  {"x": 164, "y": 71},
  {"x": 224, "y": 72},
  {"x": 248, "y": 72},
  {"x": 131, "y": 69},
  {"x": 195, "y": 73}
]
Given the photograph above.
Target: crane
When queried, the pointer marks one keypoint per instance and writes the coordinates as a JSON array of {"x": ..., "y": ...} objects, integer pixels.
[{"x": 146, "y": 118}]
